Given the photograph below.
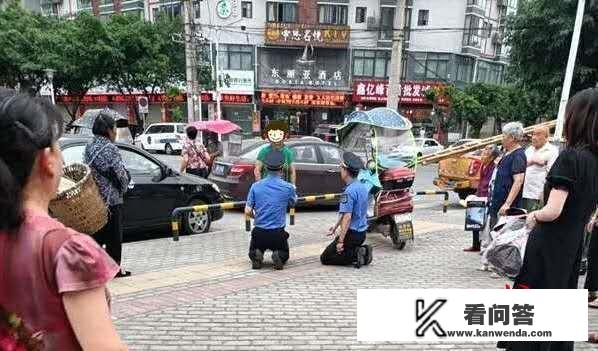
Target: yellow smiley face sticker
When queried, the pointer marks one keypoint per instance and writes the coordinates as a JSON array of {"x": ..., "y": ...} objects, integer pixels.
[{"x": 275, "y": 135}]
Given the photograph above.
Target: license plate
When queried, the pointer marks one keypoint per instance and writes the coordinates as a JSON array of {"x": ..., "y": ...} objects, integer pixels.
[
  {"x": 402, "y": 218},
  {"x": 219, "y": 170}
]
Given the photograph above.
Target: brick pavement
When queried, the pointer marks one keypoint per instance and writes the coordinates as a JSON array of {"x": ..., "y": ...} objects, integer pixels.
[{"x": 213, "y": 301}]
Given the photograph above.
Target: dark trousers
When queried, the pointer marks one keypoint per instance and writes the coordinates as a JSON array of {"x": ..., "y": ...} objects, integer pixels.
[
  {"x": 111, "y": 234},
  {"x": 269, "y": 239},
  {"x": 200, "y": 172},
  {"x": 353, "y": 240},
  {"x": 592, "y": 278},
  {"x": 476, "y": 239}
]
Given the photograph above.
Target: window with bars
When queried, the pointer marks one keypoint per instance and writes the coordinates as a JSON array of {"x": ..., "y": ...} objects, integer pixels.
[
  {"x": 285, "y": 12},
  {"x": 431, "y": 66},
  {"x": 465, "y": 69},
  {"x": 246, "y": 9},
  {"x": 235, "y": 57},
  {"x": 333, "y": 14},
  {"x": 387, "y": 15},
  {"x": 360, "y": 14},
  {"x": 423, "y": 17},
  {"x": 371, "y": 63},
  {"x": 471, "y": 35}
]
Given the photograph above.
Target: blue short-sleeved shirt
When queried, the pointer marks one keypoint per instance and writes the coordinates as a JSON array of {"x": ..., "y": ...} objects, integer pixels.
[
  {"x": 510, "y": 165},
  {"x": 355, "y": 201},
  {"x": 269, "y": 199}
]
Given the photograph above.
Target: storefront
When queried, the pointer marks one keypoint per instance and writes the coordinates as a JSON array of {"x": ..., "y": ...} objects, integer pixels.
[
  {"x": 303, "y": 75},
  {"x": 237, "y": 99}
]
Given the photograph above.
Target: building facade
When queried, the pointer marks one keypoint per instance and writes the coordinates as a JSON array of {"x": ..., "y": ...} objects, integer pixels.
[{"x": 312, "y": 62}]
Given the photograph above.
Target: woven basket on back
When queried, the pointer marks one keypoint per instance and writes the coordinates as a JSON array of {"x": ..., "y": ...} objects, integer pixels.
[{"x": 80, "y": 206}]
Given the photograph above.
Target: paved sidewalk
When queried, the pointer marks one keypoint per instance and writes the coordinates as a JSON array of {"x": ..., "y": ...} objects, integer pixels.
[{"x": 200, "y": 293}]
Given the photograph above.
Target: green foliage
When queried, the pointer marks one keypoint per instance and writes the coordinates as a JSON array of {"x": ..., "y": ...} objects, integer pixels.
[
  {"x": 177, "y": 114},
  {"x": 540, "y": 37}
]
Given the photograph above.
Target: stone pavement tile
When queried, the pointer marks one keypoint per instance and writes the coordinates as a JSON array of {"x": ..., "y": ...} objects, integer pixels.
[{"x": 314, "y": 310}]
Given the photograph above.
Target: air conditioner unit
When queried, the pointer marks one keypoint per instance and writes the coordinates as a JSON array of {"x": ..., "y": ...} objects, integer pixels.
[
  {"x": 372, "y": 23},
  {"x": 497, "y": 38}
]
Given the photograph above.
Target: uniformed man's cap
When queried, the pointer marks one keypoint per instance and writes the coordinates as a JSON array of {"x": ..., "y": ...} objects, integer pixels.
[
  {"x": 274, "y": 160},
  {"x": 352, "y": 161}
]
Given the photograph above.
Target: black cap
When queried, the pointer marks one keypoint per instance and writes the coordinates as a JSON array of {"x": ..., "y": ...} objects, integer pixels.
[
  {"x": 352, "y": 161},
  {"x": 274, "y": 160}
]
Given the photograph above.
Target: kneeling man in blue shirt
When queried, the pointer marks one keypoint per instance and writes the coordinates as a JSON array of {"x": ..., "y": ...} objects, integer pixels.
[
  {"x": 347, "y": 247},
  {"x": 267, "y": 202}
]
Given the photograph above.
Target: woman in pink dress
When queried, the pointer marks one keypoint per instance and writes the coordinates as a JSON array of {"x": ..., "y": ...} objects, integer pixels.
[{"x": 50, "y": 276}]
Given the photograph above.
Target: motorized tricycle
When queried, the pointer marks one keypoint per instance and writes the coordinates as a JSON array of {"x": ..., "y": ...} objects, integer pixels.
[{"x": 383, "y": 138}]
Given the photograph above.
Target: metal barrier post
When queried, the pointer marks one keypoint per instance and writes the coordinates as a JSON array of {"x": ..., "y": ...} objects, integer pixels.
[
  {"x": 437, "y": 192},
  {"x": 446, "y": 201},
  {"x": 292, "y": 215},
  {"x": 175, "y": 227},
  {"x": 247, "y": 223}
]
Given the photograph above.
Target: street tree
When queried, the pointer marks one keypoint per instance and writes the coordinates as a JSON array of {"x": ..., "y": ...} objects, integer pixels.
[
  {"x": 540, "y": 36},
  {"x": 22, "y": 48},
  {"x": 80, "y": 53}
]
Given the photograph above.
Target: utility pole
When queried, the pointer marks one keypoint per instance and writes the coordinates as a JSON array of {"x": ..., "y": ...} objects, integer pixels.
[
  {"x": 192, "y": 86},
  {"x": 560, "y": 121},
  {"x": 396, "y": 60}
]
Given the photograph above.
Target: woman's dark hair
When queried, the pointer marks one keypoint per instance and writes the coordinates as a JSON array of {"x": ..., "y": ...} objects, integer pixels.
[
  {"x": 191, "y": 132},
  {"x": 352, "y": 172},
  {"x": 27, "y": 125},
  {"x": 103, "y": 124},
  {"x": 581, "y": 120}
]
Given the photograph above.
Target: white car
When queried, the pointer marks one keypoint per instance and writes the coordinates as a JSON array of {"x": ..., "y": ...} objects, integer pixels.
[
  {"x": 166, "y": 137},
  {"x": 427, "y": 146}
]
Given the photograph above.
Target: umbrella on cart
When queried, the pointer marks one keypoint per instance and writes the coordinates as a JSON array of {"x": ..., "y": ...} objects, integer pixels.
[{"x": 220, "y": 126}]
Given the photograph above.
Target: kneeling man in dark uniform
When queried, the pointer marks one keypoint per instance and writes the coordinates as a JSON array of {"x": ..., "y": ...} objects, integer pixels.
[
  {"x": 267, "y": 202},
  {"x": 347, "y": 247}
]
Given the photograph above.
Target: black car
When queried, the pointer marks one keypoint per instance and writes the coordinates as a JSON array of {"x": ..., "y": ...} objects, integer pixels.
[{"x": 155, "y": 191}]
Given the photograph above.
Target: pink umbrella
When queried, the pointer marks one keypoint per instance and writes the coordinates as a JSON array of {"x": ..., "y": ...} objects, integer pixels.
[{"x": 221, "y": 126}]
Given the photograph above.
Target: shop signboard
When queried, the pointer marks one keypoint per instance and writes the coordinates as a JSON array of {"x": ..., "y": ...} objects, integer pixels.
[
  {"x": 128, "y": 98},
  {"x": 328, "y": 69},
  {"x": 236, "y": 99},
  {"x": 376, "y": 91},
  {"x": 240, "y": 82},
  {"x": 298, "y": 34},
  {"x": 302, "y": 98}
]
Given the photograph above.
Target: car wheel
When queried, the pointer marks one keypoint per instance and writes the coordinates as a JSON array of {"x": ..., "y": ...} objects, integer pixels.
[
  {"x": 168, "y": 149},
  {"x": 419, "y": 154},
  {"x": 196, "y": 222}
]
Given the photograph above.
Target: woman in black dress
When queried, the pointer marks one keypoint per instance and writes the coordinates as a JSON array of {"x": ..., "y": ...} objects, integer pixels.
[{"x": 554, "y": 248}]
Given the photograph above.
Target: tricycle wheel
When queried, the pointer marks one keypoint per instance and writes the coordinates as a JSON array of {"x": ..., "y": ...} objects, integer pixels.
[
  {"x": 398, "y": 244},
  {"x": 394, "y": 235}
]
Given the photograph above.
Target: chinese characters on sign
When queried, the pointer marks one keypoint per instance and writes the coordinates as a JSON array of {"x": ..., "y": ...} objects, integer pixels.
[
  {"x": 304, "y": 34},
  {"x": 240, "y": 82},
  {"x": 308, "y": 77},
  {"x": 377, "y": 91},
  {"x": 475, "y": 314},
  {"x": 236, "y": 98},
  {"x": 303, "y": 99}
]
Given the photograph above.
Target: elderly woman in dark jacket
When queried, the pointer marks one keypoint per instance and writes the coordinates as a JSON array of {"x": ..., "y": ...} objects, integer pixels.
[{"x": 112, "y": 179}]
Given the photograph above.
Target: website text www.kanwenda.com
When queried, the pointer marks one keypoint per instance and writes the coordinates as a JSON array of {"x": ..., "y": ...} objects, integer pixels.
[{"x": 498, "y": 334}]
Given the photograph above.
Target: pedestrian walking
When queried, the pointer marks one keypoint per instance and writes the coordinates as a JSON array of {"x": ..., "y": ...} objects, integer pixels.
[
  {"x": 276, "y": 133},
  {"x": 52, "y": 277},
  {"x": 112, "y": 179},
  {"x": 510, "y": 173},
  {"x": 347, "y": 247},
  {"x": 554, "y": 248},
  {"x": 489, "y": 155},
  {"x": 195, "y": 157},
  {"x": 267, "y": 202},
  {"x": 540, "y": 158}
]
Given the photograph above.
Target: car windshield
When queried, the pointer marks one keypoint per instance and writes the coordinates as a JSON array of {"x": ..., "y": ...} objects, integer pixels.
[
  {"x": 419, "y": 142},
  {"x": 386, "y": 140}
]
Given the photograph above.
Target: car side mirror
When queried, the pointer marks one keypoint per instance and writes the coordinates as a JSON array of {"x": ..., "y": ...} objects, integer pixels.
[{"x": 158, "y": 175}]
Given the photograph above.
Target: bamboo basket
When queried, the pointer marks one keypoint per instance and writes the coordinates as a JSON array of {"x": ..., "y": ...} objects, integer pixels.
[{"x": 78, "y": 204}]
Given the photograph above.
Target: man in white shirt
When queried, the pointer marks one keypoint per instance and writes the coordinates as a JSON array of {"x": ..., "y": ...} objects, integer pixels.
[{"x": 540, "y": 157}]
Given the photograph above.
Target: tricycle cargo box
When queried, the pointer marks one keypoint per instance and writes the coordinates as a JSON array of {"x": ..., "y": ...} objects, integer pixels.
[{"x": 397, "y": 178}]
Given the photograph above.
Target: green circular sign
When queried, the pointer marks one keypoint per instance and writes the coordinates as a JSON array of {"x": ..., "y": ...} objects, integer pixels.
[{"x": 224, "y": 8}]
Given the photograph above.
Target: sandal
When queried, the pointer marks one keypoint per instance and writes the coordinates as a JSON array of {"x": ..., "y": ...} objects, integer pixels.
[
  {"x": 593, "y": 338},
  {"x": 593, "y": 304}
]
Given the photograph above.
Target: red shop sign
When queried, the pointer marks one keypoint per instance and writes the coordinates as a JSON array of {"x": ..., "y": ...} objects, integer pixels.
[
  {"x": 377, "y": 91},
  {"x": 237, "y": 99},
  {"x": 320, "y": 99},
  {"x": 127, "y": 98}
]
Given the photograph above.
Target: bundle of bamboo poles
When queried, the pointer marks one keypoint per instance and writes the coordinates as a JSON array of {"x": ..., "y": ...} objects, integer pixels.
[{"x": 474, "y": 145}]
